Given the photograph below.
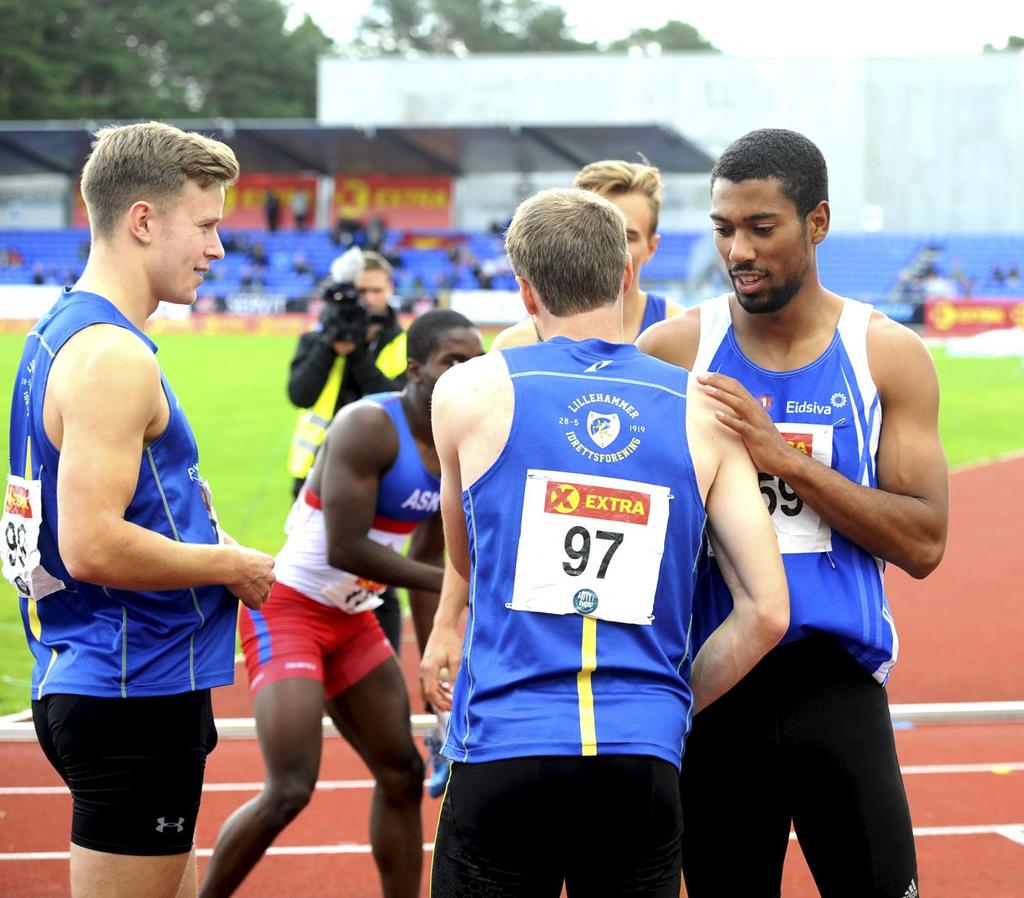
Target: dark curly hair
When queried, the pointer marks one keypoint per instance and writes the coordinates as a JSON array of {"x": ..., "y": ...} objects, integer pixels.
[
  {"x": 776, "y": 153},
  {"x": 426, "y": 331}
]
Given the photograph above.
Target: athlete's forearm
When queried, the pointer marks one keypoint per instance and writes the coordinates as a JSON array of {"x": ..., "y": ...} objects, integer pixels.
[
  {"x": 732, "y": 650},
  {"x": 454, "y": 598},
  {"x": 909, "y": 531},
  {"x": 422, "y": 607},
  {"x": 123, "y": 555},
  {"x": 366, "y": 558}
]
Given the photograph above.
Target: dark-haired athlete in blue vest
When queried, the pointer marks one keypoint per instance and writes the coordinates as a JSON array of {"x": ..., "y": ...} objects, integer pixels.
[{"x": 838, "y": 407}]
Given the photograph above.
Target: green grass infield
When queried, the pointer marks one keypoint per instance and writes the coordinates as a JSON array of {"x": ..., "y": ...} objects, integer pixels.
[{"x": 233, "y": 389}]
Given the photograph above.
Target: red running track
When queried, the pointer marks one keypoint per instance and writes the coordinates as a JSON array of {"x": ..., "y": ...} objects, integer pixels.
[{"x": 960, "y": 631}]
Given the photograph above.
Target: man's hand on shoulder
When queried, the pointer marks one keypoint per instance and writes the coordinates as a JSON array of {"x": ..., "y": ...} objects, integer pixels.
[{"x": 738, "y": 410}]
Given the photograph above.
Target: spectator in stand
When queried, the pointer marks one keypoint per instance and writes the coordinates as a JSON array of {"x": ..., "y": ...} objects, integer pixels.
[
  {"x": 272, "y": 208},
  {"x": 963, "y": 282},
  {"x": 1013, "y": 276},
  {"x": 300, "y": 209},
  {"x": 300, "y": 264},
  {"x": 997, "y": 276},
  {"x": 376, "y": 230},
  {"x": 258, "y": 254},
  {"x": 348, "y": 232}
]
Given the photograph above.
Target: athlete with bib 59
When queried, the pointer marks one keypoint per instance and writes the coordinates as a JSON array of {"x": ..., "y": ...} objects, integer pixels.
[
  {"x": 127, "y": 585},
  {"x": 838, "y": 406}
]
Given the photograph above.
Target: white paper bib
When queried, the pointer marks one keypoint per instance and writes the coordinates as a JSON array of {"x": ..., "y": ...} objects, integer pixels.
[
  {"x": 590, "y": 545},
  {"x": 799, "y": 528},
  {"x": 22, "y": 518}
]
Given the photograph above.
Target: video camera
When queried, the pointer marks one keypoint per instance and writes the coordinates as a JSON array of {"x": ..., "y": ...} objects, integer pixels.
[{"x": 344, "y": 318}]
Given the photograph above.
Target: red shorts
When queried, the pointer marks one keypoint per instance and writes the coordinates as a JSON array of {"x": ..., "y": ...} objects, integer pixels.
[{"x": 293, "y": 636}]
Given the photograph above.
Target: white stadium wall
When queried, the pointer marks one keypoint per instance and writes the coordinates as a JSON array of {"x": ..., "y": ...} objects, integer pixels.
[{"x": 933, "y": 144}]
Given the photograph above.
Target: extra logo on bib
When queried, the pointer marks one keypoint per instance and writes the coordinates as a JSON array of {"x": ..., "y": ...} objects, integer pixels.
[
  {"x": 799, "y": 528},
  {"x": 590, "y": 545}
]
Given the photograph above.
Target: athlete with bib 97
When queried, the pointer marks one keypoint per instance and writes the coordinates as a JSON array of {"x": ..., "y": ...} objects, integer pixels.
[
  {"x": 838, "y": 407},
  {"x": 578, "y": 481}
]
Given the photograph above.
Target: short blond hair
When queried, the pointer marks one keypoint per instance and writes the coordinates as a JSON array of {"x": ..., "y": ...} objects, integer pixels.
[
  {"x": 148, "y": 161},
  {"x": 613, "y": 177},
  {"x": 570, "y": 245},
  {"x": 376, "y": 262}
]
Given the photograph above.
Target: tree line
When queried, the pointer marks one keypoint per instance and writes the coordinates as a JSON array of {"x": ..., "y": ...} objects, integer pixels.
[{"x": 126, "y": 59}]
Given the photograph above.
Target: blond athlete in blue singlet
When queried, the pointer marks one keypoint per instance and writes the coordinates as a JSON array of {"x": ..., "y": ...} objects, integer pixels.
[{"x": 577, "y": 482}]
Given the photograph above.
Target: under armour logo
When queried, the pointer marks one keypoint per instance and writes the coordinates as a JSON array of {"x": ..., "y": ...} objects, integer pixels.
[{"x": 179, "y": 826}]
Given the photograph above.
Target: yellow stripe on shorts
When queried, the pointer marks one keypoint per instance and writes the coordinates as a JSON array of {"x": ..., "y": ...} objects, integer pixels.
[{"x": 588, "y": 728}]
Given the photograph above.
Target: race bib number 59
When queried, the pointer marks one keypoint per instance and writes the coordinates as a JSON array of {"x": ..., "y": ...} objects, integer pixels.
[
  {"x": 590, "y": 545},
  {"x": 799, "y": 527},
  {"x": 22, "y": 517}
]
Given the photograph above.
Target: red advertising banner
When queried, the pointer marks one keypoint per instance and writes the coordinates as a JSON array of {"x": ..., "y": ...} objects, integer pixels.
[
  {"x": 958, "y": 317},
  {"x": 245, "y": 202},
  {"x": 401, "y": 201}
]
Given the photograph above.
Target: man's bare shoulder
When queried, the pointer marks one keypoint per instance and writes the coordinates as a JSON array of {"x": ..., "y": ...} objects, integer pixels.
[
  {"x": 472, "y": 379},
  {"x": 360, "y": 416},
  {"x": 675, "y": 339},
  {"x": 107, "y": 354},
  {"x": 104, "y": 376},
  {"x": 672, "y": 309},
  {"x": 523, "y": 333},
  {"x": 897, "y": 356}
]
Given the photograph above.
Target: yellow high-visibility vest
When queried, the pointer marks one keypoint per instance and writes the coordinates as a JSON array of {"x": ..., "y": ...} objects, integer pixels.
[{"x": 311, "y": 426}]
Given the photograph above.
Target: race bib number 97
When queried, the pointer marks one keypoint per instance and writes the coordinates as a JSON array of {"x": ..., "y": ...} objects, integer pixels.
[
  {"x": 590, "y": 545},
  {"x": 22, "y": 518}
]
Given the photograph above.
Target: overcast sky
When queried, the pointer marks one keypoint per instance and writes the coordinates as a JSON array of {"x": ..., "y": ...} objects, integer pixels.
[{"x": 784, "y": 28}]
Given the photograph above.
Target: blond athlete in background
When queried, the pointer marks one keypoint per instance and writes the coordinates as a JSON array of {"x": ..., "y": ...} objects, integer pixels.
[{"x": 637, "y": 191}]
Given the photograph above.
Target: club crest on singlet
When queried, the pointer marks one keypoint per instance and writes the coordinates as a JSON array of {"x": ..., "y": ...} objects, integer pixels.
[
  {"x": 611, "y": 423},
  {"x": 602, "y": 428}
]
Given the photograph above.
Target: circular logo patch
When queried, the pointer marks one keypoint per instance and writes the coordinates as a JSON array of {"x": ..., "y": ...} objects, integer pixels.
[{"x": 585, "y": 601}]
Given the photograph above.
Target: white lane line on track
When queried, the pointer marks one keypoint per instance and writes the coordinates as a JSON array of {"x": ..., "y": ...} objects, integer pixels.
[
  {"x": 1012, "y": 831},
  {"x": 326, "y": 785},
  {"x": 997, "y": 768},
  {"x": 1000, "y": 768}
]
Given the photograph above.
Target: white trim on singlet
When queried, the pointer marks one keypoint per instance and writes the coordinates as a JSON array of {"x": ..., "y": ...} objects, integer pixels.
[
  {"x": 853, "y": 332},
  {"x": 715, "y": 321}
]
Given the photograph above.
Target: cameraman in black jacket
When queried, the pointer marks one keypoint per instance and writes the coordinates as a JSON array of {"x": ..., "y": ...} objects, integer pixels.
[{"x": 357, "y": 348}]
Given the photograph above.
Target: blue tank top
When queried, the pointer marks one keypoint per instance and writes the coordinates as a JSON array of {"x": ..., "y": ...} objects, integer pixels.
[
  {"x": 830, "y": 410},
  {"x": 582, "y": 536},
  {"x": 654, "y": 311},
  {"x": 407, "y": 491},
  {"x": 105, "y": 642}
]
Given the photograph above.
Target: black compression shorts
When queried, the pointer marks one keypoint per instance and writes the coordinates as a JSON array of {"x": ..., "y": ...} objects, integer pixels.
[
  {"x": 806, "y": 738},
  {"x": 607, "y": 826},
  {"x": 134, "y": 767}
]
